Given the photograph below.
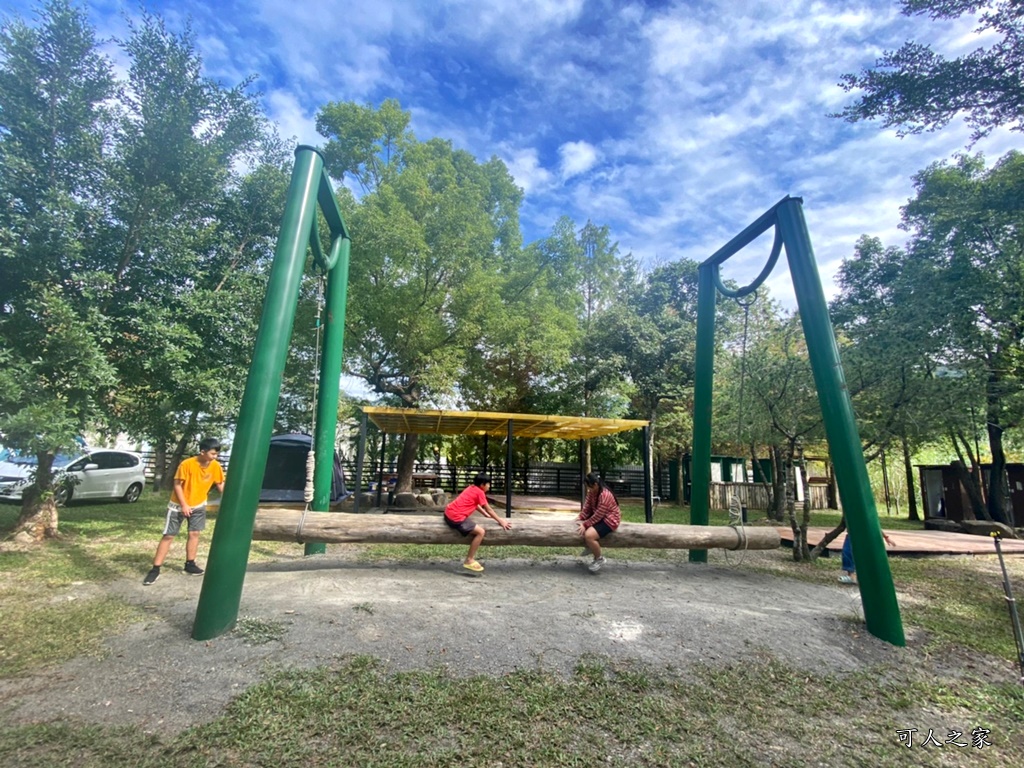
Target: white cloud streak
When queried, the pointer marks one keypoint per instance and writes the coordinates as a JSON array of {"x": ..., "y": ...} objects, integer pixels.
[{"x": 674, "y": 124}]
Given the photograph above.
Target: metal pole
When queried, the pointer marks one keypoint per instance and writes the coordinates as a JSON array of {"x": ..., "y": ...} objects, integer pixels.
[
  {"x": 360, "y": 457},
  {"x": 508, "y": 473},
  {"x": 583, "y": 476},
  {"x": 330, "y": 385},
  {"x": 221, "y": 593},
  {"x": 380, "y": 471},
  {"x": 878, "y": 594},
  {"x": 1011, "y": 605},
  {"x": 700, "y": 469},
  {"x": 648, "y": 495}
]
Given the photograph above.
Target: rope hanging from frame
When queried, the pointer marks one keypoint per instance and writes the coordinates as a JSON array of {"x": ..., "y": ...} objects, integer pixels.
[
  {"x": 308, "y": 490},
  {"x": 735, "y": 503}
]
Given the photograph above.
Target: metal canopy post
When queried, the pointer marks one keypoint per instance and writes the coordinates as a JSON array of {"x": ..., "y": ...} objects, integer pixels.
[
  {"x": 648, "y": 495},
  {"x": 508, "y": 472},
  {"x": 583, "y": 476},
  {"x": 360, "y": 457},
  {"x": 380, "y": 471}
]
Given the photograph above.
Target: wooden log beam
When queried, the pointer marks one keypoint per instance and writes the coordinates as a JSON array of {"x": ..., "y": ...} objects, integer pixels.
[{"x": 279, "y": 524}]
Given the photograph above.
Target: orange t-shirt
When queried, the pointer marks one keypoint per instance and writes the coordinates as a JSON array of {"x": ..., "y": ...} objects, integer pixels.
[{"x": 196, "y": 480}]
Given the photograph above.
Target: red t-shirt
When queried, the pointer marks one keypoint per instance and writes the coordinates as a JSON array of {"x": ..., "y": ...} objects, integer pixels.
[{"x": 465, "y": 504}]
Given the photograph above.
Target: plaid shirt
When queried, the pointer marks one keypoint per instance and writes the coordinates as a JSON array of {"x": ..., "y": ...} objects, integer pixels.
[{"x": 598, "y": 507}]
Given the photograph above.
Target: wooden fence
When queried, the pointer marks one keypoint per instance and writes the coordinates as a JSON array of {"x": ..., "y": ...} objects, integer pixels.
[{"x": 755, "y": 496}]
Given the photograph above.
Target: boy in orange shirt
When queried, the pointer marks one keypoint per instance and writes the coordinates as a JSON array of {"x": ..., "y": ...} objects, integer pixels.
[{"x": 192, "y": 482}]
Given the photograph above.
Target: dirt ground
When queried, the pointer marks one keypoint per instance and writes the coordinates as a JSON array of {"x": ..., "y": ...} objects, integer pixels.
[{"x": 520, "y": 614}]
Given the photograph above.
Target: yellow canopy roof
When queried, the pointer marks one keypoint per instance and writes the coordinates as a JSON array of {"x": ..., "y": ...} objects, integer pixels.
[{"x": 409, "y": 420}]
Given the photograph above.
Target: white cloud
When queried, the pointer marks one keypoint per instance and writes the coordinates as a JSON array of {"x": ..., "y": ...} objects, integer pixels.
[
  {"x": 577, "y": 157},
  {"x": 526, "y": 169},
  {"x": 291, "y": 118}
]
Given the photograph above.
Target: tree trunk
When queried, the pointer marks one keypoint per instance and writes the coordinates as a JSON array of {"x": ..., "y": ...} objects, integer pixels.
[
  {"x": 38, "y": 519},
  {"x": 179, "y": 449},
  {"x": 281, "y": 524},
  {"x": 977, "y": 508},
  {"x": 805, "y": 484},
  {"x": 681, "y": 478},
  {"x": 778, "y": 510},
  {"x": 406, "y": 463},
  {"x": 159, "y": 465},
  {"x": 790, "y": 495},
  {"x": 998, "y": 488},
  {"x": 828, "y": 538},
  {"x": 912, "y": 513},
  {"x": 649, "y": 470}
]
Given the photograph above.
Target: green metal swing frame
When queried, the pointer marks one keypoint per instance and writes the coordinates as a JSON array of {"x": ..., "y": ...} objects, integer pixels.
[
  {"x": 878, "y": 594},
  {"x": 221, "y": 593}
]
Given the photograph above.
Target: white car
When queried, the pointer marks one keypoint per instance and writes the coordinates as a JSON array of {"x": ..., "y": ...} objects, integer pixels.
[{"x": 99, "y": 474}]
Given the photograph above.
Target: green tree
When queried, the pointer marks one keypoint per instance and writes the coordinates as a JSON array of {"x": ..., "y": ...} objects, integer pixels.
[
  {"x": 187, "y": 241},
  {"x": 54, "y": 91},
  {"x": 649, "y": 335},
  {"x": 967, "y": 222},
  {"x": 890, "y": 351},
  {"x": 915, "y": 89},
  {"x": 429, "y": 232},
  {"x": 944, "y": 329}
]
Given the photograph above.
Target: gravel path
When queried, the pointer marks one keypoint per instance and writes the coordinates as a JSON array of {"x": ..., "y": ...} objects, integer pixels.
[{"x": 520, "y": 614}]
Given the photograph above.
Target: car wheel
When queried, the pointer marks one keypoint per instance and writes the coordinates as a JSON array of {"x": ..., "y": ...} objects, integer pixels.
[
  {"x": 132, "y": 494},
  {"x": 62, "y": 496}
]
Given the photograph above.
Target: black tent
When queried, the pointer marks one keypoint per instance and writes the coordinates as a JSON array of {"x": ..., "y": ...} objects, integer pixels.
[{"x": 285, "y": 476}]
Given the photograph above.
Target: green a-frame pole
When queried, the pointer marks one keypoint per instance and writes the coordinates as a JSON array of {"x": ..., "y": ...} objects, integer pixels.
[
  {"x": 878, "y": 594},
  {"x": 221, "y": 593}
]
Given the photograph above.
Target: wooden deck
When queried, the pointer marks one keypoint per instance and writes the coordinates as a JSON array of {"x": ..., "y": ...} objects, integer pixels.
[{"x": 915, "y": 543}]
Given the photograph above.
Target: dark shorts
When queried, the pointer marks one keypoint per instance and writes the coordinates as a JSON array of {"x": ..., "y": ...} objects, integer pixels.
[
  {"x": 602, "y": 529},
  {"x": 465, "y": 527}
]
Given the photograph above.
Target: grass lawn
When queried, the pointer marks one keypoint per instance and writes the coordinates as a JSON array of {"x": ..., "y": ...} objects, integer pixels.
[{"x": 356, "y": 713}]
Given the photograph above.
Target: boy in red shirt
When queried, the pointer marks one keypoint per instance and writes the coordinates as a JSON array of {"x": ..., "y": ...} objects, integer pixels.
[{"x": 457, "y": 514}]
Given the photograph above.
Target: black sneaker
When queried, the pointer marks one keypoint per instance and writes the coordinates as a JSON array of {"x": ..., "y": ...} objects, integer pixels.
[
  {"x": 191, "y": 567},
  {"x": 153, "y": 575}
]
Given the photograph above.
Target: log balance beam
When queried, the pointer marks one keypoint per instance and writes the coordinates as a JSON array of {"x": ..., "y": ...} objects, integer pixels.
[{"x": 280, "y": 524}]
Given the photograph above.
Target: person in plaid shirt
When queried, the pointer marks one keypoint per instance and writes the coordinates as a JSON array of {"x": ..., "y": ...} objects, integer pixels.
[{"x": 600, "y": 516}]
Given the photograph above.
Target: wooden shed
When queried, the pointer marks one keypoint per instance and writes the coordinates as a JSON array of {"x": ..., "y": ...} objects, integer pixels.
[{"x": 943, "y": 497}]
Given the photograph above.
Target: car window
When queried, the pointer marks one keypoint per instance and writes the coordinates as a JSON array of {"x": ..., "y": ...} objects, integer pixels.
[
  {"x": 122, "y": 460},
  {"x": 104, "y": 459},
  {"x": 78, "y": 466}
]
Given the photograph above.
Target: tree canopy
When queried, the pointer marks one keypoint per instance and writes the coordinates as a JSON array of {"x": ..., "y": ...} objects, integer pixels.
[
  {"x": 915, "y": 88},
  {"x": 942, "y": 320}
]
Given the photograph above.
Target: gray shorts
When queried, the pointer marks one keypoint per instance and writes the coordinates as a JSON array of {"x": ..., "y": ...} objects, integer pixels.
[{"x": 196, "y": 521}]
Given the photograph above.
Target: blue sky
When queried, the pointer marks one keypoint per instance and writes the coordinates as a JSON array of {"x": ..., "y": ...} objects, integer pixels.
[{"x": 674, "y": 123}]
